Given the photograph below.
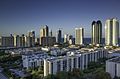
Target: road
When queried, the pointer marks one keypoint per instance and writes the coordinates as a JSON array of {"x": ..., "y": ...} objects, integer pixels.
[{"x": 2, "y": 76}]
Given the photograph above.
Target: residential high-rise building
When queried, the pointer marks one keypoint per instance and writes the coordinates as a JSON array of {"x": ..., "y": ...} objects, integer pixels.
[
  {"x": 31, "y": 38},
  {"x": 20, "y": 41},
  {"x": 16, "y": 41},
  {"x": 112, "y": 32},
  {"x": 96, "y": 32},
  {"x": 7, "y": 41},
  {"x": 51, "y": 33},
  {"x": 115, "y": 32},
  {"x": 79, "y": 36},
  {"x": 71, "y": 39},
  {"x": 59, "y": 36},
  {"x": 48, "y": 41},
  {"x": 66, "y": 38},
  {"x": 46, "y": 29},
  {"x": 37, "y": 41},
  {"x": 44, "y": 32}
]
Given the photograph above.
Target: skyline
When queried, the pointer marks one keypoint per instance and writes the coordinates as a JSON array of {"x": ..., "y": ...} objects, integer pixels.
[{"x": 30, "y": 15}]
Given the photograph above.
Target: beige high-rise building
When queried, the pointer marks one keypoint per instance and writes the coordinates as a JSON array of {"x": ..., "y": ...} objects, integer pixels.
[
  {"x": 31, "y": 38},
  {"x": 112, "y": 32},
  {"x": 44, "y": 32},
  {"x": 16, "y": 41},
  {"x": 79, "y": 36},
  {"x": 20, "y": 41},
  {"x": 115, "y": 32}
]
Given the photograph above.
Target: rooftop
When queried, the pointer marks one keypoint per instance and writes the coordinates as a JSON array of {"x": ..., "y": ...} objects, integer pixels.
[{"x": 117, "y": 60}]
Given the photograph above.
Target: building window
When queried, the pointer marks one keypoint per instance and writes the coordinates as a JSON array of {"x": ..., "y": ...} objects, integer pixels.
[
  {"x": 74, "y": 65},
  {"x": 70, "y": 64},
  {"x": 79, "y": 62},
  {"x": 94, "y": 56},
  {"x": 65, "y": 65},
  {"x": 84, "y": 59},
  {"x": 58, "y": 66},
  {"x": 88, "y": 58},
  {"x": 115, "y": 69},
  {"x": 52, "y": 68}
]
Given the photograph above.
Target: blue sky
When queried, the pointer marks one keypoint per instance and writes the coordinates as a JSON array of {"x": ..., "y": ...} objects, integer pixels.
[{"x": 21, "y": 16}]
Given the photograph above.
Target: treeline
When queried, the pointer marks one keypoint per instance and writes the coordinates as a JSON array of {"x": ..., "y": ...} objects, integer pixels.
[{"x": 77, "y": 74}]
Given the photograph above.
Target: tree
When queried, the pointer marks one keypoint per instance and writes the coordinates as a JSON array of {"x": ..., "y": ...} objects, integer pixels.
[
  {"x": 102, "y": 75},
  {"x": 50, "y": 76},
  {"x": 77, "y": 73}
]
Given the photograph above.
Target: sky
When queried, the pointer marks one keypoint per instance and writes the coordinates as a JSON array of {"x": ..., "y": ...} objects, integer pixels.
[{"x": 21, "y": 16}]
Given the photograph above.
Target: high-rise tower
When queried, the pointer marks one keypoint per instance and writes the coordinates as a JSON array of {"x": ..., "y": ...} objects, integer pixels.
[
  {"x": 44, "y": 32},
  {"x": 59, "y": 36},
  {"x": 79, "y": 36},
  {"x": 96, "y": 32},
  {"x": 112, "y": 32}
]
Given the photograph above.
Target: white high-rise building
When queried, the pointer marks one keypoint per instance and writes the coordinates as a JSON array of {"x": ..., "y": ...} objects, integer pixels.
[
  {"x": 112, "y": 32},
  {"x": 66, "y": 39},
  {"x": 115, "y": 32},
  {"x": 79, "y": 36},
  {"x": 108, "y": 32}
]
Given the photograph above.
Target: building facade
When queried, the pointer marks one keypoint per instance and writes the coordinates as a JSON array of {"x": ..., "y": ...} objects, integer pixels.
[
  {"x": 31, "y": 39},
  {"x": 7, "y": 41},
  {"x": 66, "y": 38},
  {"x": 112, "y": 32},
  {"x": 48, "y": 41},
  {"x": 44, "y": 32},
  {"x": 96, "y": 32},
  {"x": 77, "y": 59},
  {"x": 34, "y": 60},
  {"x": 59, "y": 36},
  {"x": 79, "y": 36},
  {"x": 113, "y": 67}
]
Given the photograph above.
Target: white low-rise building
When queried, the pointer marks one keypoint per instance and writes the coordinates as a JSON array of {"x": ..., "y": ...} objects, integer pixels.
[
  {"x": 34, "y": 60},
  {"x": 113, "y": 67},
  {"x": 74, "y": 59},
  {"x": 114, "y": 53},
  {"x": 57, "y": 51}
]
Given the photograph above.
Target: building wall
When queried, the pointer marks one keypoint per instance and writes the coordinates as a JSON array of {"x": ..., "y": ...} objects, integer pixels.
[
  {"x": 59, "y": 36},
  {"x": 79, "y": 36},
  {"x": 112, "y": 32},
  {"x": 69, "y": 62},
  {"x": 110, "y": 68},
  {"x": 48, "y": 41},
  {"x": 118, "y": 70},
  {"x": 113, "y": 67},
  {"x": 7, "y": 41},
  {"x": 96, "y": 32},
  {"x": 44, "y": 32}
]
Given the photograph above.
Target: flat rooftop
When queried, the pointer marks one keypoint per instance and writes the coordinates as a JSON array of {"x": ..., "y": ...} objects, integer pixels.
[{"x": 117, "y": 60}]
